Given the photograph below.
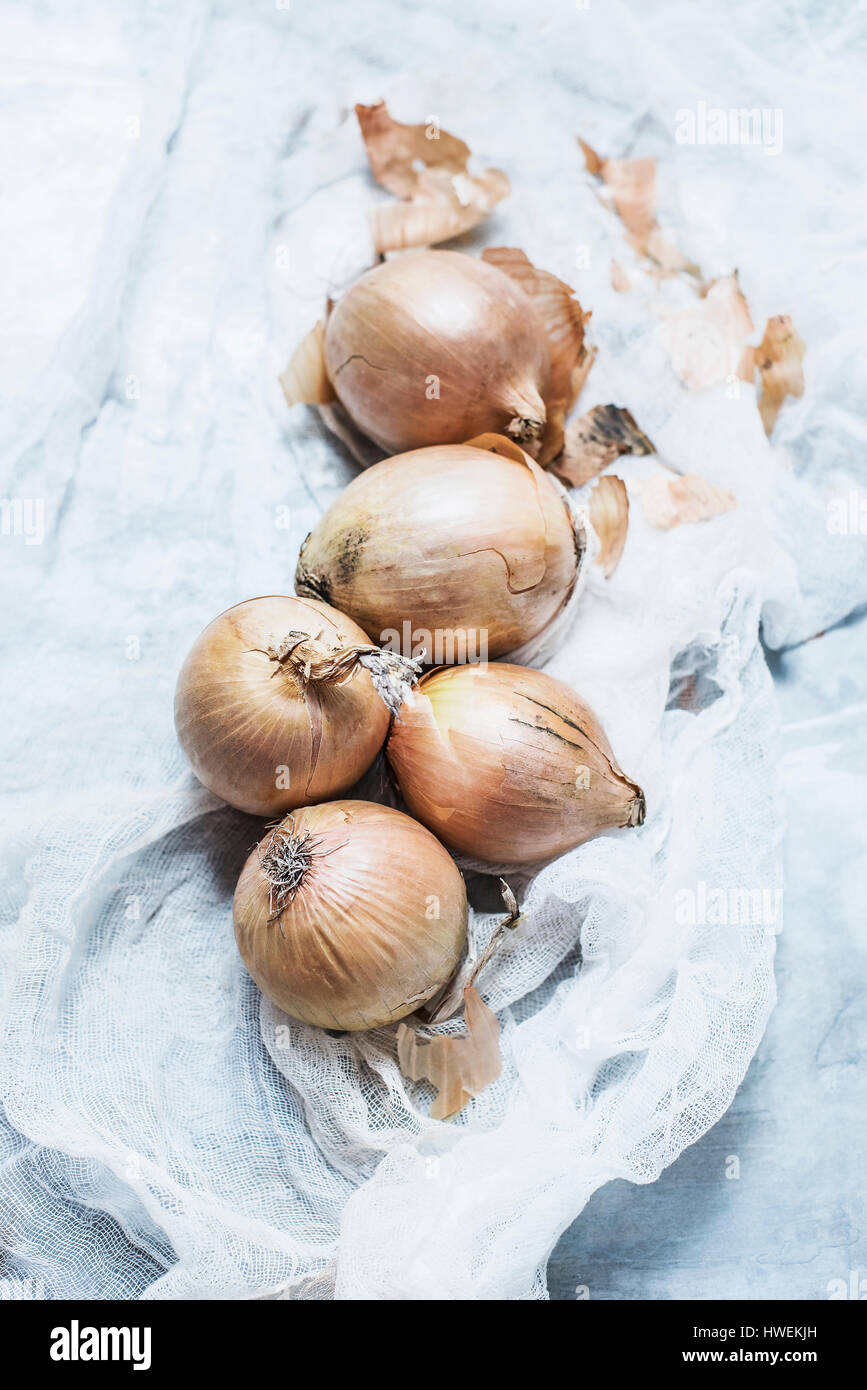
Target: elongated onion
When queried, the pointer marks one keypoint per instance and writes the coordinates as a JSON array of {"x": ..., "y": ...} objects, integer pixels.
[
  {"x": 350, "y": 915},
  {"x": 434, "y": 347},
  {"x": 508, "y": 765},
  {"x": 462, "y": 551},
  {"x": 283, "y": 701}
]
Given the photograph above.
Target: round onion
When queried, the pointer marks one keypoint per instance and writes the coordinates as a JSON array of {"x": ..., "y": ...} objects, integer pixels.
[
  {"x": 507, "y": 765},
  {"x": 458, "y": 550},
  {"x": 283, "y": 701},
  {"x": 350, "y": 915},
  {"x": 434, "y": 347}
]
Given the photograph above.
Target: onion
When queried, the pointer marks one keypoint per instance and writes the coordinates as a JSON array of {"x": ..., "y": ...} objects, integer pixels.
[
  {"x": 460, "y": 550},
  {"x": 350, "y": 915},
  {"x": 283, "y": 701},
  {"x": 433, "y": 347},
  {"x": 507, "y": 765}
]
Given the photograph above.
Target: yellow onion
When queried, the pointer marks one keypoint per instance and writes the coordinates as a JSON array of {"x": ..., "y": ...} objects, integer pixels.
[
  {"x": 434, "y": 347},
  {"x": 350, "y": 915},
  {"x": 507, "y": 765},
  {"x": 455, "y": 549},
  {"x": 283, "y": 701}
]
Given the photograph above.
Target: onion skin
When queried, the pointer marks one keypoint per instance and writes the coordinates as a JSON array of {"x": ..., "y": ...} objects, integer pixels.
[
  {"x": 240, "y": 716},
  {"x": 440, "y": 315},
  {"x": 357, "y": 946},
  {"x": 507, "y": 765},
  {"x": 450, "y": 539}
]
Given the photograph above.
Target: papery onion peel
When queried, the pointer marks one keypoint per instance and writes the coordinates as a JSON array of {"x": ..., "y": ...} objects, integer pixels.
[
  {"x": 459, "y": 1068},
  {"x": 427, "y": 167}
]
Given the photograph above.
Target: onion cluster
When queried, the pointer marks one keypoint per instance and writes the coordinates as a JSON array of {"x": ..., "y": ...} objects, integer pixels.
[{"x": 350, "y": 915}]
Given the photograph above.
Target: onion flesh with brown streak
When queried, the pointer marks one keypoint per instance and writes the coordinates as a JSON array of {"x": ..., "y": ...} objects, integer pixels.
[
  {"x": 284, "y": 701},
  {"x": 433, "y": 347},
  {"x": 475, "y": 551},
  {"x": 350, "y": 915},
  {"x": 507, "y": 765}
]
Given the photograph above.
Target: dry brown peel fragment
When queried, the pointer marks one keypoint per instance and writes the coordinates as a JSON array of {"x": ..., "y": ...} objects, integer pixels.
[
  {"x": 667, "y": 258},
  {"x": 554, "y": 434},
  {"x": 672, "y": 502},
  {"x": 620, "y": 281},
  {"x": 632, "y": 186},
  {"x": 459, "y": 1068},
  {"x": 305, "y": 380},
  {"x": 582, "y": 371},
  {"x": 707, "y": 342},
  {"x": 593, "y": 162},
  {"x": 395, "y": 149},
  {"x": 564, "y": 320},
  {"x": 609, "y": 517},
  {"x": 499, "y": 444},
  {"x": 596, "y": 439},
  {"x": 443, "y": 207},
  {"x": 427, "y": 167},
  {"x": 778, "y": 357}
]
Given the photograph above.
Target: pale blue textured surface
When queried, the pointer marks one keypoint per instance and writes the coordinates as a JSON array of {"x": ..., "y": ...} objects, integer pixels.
[{"x": 796, "y": 1218}]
